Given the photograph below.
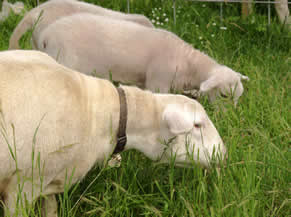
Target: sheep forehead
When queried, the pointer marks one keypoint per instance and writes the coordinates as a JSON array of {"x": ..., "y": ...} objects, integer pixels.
[
  {"x": 230, "y": 78},
  {"x": 195, "y": 112},
  {"x": 226, "y": 73}
]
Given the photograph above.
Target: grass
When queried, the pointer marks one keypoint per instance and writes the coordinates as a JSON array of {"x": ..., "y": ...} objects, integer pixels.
[{"x": 257, "y": 180}]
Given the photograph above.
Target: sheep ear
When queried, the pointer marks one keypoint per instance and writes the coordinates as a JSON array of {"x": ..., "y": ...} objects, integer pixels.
[
  {"x": 209, "y": 84},
  {"x": 243, "y": 77},
  {"x": 178, "y": 120}
]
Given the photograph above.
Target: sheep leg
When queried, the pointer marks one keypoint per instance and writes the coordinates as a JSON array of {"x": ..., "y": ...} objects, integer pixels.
[
  {"x": 19, "y": 196},
  {"x": 49, "y": 207},
  {"x": 247, "y": 8},
  {"x": 10, "y": 198},
  {"x": 283, "y": 11},
  {"x": 15, "y": 203},
  {"x": 157, "y": 80}
]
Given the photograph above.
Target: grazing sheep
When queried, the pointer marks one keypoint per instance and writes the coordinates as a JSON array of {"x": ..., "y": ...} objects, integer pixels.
[
  {"x": 43, "y": 15},
  {"x": 150, "y": 58},
  {"x": 68, "y": 119}
]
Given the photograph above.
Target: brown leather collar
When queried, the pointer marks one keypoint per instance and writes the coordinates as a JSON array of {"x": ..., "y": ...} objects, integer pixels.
[{"x": 121, "y": 135}]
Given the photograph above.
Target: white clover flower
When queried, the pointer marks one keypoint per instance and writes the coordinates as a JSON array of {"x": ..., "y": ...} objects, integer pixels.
[
  {"x": 158, "y": 23},
  {"x": 204, "y": 5},
  {"x": 160, "y": 8},
  {"x": 197, "y": 25},
  {"x": 164, "y": 14},
  {"x": 200, "y": 38},
  {"x": 158, "y": 18},
  {"x": 167, "y": 20},
  {"x": 212, "y": 35},
  {"x": 153, "y": 21},
  {"x": 223, "y": 28},
  {"x": 162, "y": 24},
  {"x": 213, "y": 24}
]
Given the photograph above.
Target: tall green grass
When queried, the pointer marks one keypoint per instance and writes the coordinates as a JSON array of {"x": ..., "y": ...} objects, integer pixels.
[{"x": 256, "y": 181}]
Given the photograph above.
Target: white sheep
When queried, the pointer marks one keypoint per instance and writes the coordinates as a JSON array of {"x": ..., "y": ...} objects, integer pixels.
[
  {"x": 43, "y": 15},
  {"x": 150, "y": 58},
  {"x": 68, "y": 119}
]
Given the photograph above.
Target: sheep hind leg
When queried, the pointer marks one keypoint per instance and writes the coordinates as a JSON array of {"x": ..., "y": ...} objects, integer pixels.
[{"x": 283, "y": 12}]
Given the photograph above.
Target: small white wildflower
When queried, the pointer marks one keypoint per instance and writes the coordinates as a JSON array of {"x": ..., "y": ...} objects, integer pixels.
[
  {"x": 160, "y": 8},
  {"x": 200, "y": 38},
  {"x": 115, "y": 161},
  {"x": 167, "y": 20},
  {"x": 223, "y": 28},
  {"x": 158, "y": 18},
  {"x": 158, "y": 23},
  {"x": 197, "y": 25},
  {"x": 212, "y": 35},
  {"x": 153, "y": 21},
  {"x": 164, "y": 14},
  {"x": 213, "y": 24},
  {"x": 204, "y": 5},
  {"x": 162, "y": 24}
]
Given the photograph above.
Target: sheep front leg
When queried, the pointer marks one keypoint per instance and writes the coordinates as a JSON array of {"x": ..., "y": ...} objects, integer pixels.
[
  {"x": 283, "y": 11},
  {"x": 247, "y": 8},
  {"x": 16, "y": 197},
  {"x": 159, "y": 78},
  {"x": 49, "y": 206}
]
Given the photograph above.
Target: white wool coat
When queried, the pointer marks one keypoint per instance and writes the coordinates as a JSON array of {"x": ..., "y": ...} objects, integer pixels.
[
  {"x": 150, "y": 58},
  {"x": 43, "y": 15}
]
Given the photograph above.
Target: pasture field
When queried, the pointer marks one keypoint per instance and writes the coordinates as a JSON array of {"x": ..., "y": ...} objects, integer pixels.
[{"x": 257, "y": 179}]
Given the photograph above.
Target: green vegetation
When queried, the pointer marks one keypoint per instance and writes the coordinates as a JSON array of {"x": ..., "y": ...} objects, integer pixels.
[{"x": 256, "y": 181}]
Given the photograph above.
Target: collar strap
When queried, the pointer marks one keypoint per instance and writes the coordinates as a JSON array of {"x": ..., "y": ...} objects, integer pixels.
[{"x": 121, "y": 135}]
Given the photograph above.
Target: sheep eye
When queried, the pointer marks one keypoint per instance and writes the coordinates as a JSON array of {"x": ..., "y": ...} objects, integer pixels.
[{"x": 197, "y": 126}]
